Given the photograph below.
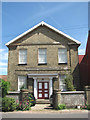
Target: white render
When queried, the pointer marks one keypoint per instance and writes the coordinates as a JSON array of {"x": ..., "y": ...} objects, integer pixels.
[
  {"x": 50, "y": 87},
  {"x": 47, "y": 25},
  {"x": 35, "y": 88}
]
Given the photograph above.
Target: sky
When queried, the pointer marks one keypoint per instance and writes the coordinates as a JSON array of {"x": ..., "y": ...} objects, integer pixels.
[{"x": 68, "y": 17}]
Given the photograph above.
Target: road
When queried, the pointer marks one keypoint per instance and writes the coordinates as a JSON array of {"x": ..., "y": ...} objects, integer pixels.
[{"x": 44, "y": 115}]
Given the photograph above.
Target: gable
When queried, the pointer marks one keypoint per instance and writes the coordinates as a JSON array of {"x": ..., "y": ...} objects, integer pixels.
[{"x": 42, "y": 34}]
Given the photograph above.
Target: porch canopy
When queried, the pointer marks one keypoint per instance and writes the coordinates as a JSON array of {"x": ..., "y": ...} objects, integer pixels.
[{"x": 36, "y": 76}]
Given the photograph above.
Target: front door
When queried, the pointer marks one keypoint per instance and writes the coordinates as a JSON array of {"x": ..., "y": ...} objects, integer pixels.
[{"x": 43, "y": 90}]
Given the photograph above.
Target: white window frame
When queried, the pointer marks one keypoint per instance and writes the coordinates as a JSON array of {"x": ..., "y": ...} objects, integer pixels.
[
  {"x": 45, "y": 57},
  {"x": 62, "y": 87},
  {"x": 62, "y": 55},
  {"x": 24, "y": 56},
  {"x": 25, "y": 81}
]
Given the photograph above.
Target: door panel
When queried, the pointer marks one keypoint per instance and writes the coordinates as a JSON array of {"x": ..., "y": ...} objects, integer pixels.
[{"x": 43, "y": 90}]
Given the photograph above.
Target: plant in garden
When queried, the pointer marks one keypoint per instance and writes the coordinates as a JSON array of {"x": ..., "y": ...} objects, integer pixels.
[
  {"x": 23, "y": 87},
  {"x": 61, "y": 107},
  {"x": 8, "y": 104},
  {"x": 86, "y": 106},
  {"x": 26, "y": 103},
  {"x": 4, "y": 86},
  {"x": 69, "y": 83}
]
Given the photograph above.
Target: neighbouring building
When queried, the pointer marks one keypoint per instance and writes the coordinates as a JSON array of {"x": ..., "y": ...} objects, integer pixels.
[
  {"x": 40, "y": 58},
  {"x": 84, "y": 61},
  {"x": 4, "y": 77}
]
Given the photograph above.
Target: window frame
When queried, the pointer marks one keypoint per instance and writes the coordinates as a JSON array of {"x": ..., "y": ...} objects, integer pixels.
[
  {"x": 65, "y": 89},
  {"x": 66, "y": 57},
  {"x": 19, "y": 81},
  {"x": 19, "y": 57},
  {"x": 41, "y": 63}
]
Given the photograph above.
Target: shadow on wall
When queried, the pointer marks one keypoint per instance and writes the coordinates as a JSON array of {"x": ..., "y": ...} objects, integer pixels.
[{"x": 76, "y": 78}]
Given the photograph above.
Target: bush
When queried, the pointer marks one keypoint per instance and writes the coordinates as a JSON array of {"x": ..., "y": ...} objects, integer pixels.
[
  {"x": 26, "y": 103},
  {"x": 86, "y": 106},
  {"x": 4, "y": 86},
  {"x": 61, "y": 107},
  {"x": 69, "y": 83},
  {"x": 8, "y": 104}
]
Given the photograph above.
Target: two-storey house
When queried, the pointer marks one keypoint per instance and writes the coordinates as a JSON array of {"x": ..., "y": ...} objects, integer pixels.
[{"x": 40, "y": 58}]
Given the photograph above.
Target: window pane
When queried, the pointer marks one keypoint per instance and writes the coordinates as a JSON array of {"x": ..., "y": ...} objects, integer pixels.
[
  {"x": 22, "y": 56},
  {"x": 62, "y": 83},
  {"x": 21, "y": 82},
  {"x": 42, "y": 56},
  {"x": 62, "y": 55},
  {"x": 40, "y": 85}
]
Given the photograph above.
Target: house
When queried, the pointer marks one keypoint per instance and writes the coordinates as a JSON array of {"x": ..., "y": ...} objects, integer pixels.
[
  {"x": 84, "y": 61},
  {"x": 4, "y": 77},
  {"x": 40, "y": 58}
]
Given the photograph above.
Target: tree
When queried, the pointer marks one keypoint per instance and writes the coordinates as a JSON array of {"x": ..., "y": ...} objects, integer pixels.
[
  {"x": 4, "y": 87},
  {"x": 69, "y": 83}
]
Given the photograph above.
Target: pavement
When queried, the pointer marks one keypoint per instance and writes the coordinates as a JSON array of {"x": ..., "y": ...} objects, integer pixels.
[{"x": 46, "y": 111}]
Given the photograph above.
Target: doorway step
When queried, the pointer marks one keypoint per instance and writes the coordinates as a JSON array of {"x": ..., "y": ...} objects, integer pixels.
[{"x": 42, "y": 101}]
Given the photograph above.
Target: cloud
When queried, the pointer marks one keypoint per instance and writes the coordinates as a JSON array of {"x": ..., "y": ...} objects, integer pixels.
[
  {"x": 3, "y": 54},
  {"x": 3, "y": 64},
  {"x": 81, "y": 51},
  {"x": 1, "y": 50},
  {"x": 3, "y": 70}
]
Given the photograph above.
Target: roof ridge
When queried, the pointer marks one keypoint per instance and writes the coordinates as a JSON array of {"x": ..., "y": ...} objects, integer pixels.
[{"x": 49, "y": 26}]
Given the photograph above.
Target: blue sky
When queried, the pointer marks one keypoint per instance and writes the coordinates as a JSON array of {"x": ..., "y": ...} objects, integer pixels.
[{"x": 17, "y": 17}]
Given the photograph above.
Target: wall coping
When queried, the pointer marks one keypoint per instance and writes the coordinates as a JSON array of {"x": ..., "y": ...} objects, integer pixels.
[
  {"x": 13, "y": 92},
  {"x": 73, "y": 92}
]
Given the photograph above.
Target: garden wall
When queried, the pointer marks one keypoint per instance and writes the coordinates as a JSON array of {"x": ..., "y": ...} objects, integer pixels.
[
  {"x": 14, "y": 94},
  {"x": 73, "y": 98}
]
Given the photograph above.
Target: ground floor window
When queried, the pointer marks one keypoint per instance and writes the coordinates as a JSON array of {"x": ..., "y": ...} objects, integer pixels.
[
  {"x": 22, "y": 82},
  {"x": 62, "y": 82}
]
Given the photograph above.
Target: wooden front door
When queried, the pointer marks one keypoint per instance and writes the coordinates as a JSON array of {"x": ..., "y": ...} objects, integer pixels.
[{"x": 43, "y": 90}]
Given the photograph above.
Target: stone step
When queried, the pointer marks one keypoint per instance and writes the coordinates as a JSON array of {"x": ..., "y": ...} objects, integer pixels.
[{"x": 42, "y": 101}]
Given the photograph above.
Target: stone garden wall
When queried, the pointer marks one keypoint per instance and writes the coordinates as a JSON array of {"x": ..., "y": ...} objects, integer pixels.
[
  {"x": 73, "y": 98},
  {"x": 14, "y": 94}
]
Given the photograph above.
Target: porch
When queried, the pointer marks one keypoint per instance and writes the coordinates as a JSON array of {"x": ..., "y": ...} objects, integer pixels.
[{"x": 43, "y": 85}]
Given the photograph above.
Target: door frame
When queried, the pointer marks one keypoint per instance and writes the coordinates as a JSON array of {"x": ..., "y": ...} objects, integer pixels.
[{"x": 43, "y": 92}]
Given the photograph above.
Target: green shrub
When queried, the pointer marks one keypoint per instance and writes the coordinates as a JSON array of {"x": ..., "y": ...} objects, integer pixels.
[
  {"x": 8, "y": 104},
  {"x": 61, "y": 107},
  {"x": 4, "y": 86},
  {"x": 69, "y": 83},
  {"x": 26, "y": 103},
  {"x": 86, "y": 106}
]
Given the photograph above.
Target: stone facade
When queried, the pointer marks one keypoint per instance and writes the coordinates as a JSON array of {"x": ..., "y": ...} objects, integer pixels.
[{"x": 42, "y": 37}]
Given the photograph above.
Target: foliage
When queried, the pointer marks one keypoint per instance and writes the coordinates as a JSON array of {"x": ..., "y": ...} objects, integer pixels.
[
  {"x": 26, "y": 103},
  {"x": 61, "y": 107},
  {"x": 4, "y": 86},
  {"x": 23, "y": 87},
  {"x": 86, "y": 106},
  {"x": 8, "y": 104},
  {"x": 69, "y": 83}
]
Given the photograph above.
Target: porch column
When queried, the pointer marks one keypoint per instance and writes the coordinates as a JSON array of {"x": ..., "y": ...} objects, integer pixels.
[
  {"x": 35, "y": 87},
  {"x": 50, "y": 90}
]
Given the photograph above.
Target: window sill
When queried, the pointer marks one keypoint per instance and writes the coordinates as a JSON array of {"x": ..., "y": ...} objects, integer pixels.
[
  {"x": 42, "y": 63},
  {"x": 22, "y": 64},
  {"x": 62, "y": 63}
]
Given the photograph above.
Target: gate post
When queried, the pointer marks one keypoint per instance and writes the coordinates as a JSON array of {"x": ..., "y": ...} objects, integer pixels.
[
  {"x": 56, "y": 98},
  {"x": 87, "y": 91}
]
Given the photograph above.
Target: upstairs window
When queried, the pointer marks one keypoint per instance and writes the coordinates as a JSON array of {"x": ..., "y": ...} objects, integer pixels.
[
  {"x": 22, "y": 82},
  {"x": 22, "y": 56},
  {"x": 62, "y": 55},
  {"x": 62, "y": 82},
  {"x": 42, "y": 57}
]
